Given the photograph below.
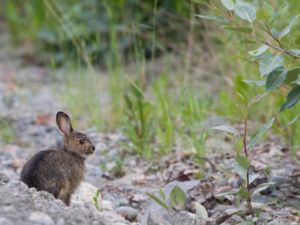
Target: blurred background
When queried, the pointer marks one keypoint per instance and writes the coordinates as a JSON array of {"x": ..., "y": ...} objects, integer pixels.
[{"x": 149, "y": 69}]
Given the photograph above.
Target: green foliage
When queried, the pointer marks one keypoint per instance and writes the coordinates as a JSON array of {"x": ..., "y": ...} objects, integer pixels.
[
  {"x": 177, "y": 199},
  {"x": 160, "y": 202},
  {"x": 118, "y": 170},
  {"x": 95, "y": 29},
  {"x": 96, "y": 199},
  {"x": 139, "y": 117},
  {"x": 200, "y": 210},
  {"x": 272, "y": 61},
  {"x": 274, "y": 57}
]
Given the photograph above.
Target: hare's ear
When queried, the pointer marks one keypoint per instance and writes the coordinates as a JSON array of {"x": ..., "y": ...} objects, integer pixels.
[{"x": 64, "y": 123}]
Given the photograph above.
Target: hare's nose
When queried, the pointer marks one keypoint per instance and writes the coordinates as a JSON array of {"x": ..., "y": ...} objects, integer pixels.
[{"x": 93, "y": 148}]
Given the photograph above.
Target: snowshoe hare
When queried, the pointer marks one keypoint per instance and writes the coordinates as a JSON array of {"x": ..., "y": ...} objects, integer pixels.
[{"x": 59, "y": 171}]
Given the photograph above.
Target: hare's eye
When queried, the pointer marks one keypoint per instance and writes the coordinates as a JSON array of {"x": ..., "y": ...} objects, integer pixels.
[{"x": 81, "y": 140}]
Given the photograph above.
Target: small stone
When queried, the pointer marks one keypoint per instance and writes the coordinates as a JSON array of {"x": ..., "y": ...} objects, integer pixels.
[
  {"x": 85, "y": 193},
  {"x": 41, "y": 218},
  {"x": 156, "y": 219},
  {"x": 106, "y": 205},
  {"x": 152, "y": 178},
  {"x": 123, "y": 201},
  {"x": 127, "y": 212},
  {"x": 4, "y": 178}
]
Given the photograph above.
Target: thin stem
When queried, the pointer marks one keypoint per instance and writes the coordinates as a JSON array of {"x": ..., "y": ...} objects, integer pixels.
[
  {"x": 249, "y": 202},
  {"x": 280, "y": 46},
  {"x": 285, "y": 51},
  {"x": 245, "y": 137}
]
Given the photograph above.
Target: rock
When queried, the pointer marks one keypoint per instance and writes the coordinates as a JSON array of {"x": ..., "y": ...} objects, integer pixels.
[
  {"x": 175, "y": 218},
  {"x": 43, "y": 209},
  {"x": 127, "y": 212},
  {"x": 4, "y": 178},
  {"x": 235, "y": 219},
  {"x": 4, "y": 221},
  {"x": 106, "y": 205},
  {"x": 40, "y": 218},
  {"x": 85, "y": 194},
  {"x": 109, "y": 218},
  {"x": 17, "y": 184},
  {"x": 155, "y": 219},
  {"x": 186, "y": 218},
  {"x": 281, "y": 221},
  {"x": 122, "y": 201}
]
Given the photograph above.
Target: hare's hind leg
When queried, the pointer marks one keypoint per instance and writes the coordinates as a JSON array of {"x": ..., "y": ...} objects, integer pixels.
[{"x": 65, "y": 194}]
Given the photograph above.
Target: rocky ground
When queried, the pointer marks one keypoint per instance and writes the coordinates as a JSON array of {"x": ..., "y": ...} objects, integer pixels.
[{"x": 28, "y": 106}]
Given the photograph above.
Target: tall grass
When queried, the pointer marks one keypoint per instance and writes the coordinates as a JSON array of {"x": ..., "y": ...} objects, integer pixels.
[{"x": 111, "y": 51}]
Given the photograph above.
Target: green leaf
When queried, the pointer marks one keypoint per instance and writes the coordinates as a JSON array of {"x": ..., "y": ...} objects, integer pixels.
[
  {"x": 288, "y": 28},
  {"x": 292, "y": 76},
  {"x": 177, "y": 197},
  {"x": 227, "y": 128},
  {"x": 243, "y": 193},
  {"x": 259, "y": 50},
  {"x": 219, "y": 19},
  {"x": 157, "y": 200},
  {"x": 292, "y": 98},
  {"x": 200, "y": 210},
  {"x": 228, "y": 4},
  {"x": 258, "y": 83},
  {"x": 257, "y": 98},
  {"x": 275, "y": 33},
  {"x": 245, "y": 11},
  {"x": 243, "y": 161},
  {"x": 96, "y": 199},
  {"x": 162, "y": 194},
  {"x": 259, "y": 133},
  {"x": 276, "y": 78},
  {"x": 239, "y": 29},
  {"x": 269, "y": 62}
]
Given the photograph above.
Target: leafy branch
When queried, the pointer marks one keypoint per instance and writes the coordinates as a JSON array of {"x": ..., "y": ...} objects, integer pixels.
[{"x": 258, "y": 26}]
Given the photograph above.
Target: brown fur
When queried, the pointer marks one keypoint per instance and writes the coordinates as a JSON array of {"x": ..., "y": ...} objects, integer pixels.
[{"x": 59, "y": 171}]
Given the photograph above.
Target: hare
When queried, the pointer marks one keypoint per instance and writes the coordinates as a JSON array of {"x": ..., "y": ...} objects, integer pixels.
[{"x": 59, "y": 171}]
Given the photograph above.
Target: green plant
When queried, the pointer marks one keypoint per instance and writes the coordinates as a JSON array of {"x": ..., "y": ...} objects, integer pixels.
[
  {"x": 94, "y": 28},
  {"x": 246, "y": 51},
  {"x": 139, "y": 121},
  {"x": 278, "y": 60},
  {"x": 176, "y": 200},
  {"x": 96, "y": 199},
  {"x": 242, "y": 157},
  {"x": 118, "y": 170},
  {"x": 164, "y": 113}
]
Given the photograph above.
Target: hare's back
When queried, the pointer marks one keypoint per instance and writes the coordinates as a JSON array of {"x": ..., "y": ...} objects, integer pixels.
[{"x": 45, "y": 167}]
